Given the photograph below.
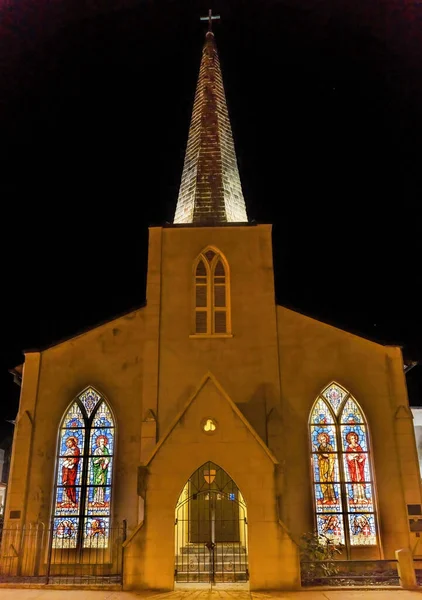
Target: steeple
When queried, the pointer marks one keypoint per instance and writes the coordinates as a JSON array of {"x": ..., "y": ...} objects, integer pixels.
[{"x": 210, "y": 191}]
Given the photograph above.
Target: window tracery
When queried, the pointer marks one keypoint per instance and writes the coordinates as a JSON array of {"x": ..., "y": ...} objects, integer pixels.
[
  {"x": 341, "y": 467},
  {"x": 212, "y": 294},
  {"x": 83, "y": 486}
]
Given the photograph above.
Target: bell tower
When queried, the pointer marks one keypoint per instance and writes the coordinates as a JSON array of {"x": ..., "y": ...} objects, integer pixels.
[{"x": 210, "y": 287}]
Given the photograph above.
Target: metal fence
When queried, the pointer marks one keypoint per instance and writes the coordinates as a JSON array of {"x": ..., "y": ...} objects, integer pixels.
[
  {"x": 37, "y": 553},
  {"x": 345, "y": 573},
  {"x": 417, "y": 562}
]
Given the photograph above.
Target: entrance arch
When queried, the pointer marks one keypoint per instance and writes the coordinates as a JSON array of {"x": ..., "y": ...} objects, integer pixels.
[{"x": 211, "y": 542}]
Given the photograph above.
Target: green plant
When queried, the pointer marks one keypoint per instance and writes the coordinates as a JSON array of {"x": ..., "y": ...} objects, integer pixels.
[{"x": 317, "y": 555}]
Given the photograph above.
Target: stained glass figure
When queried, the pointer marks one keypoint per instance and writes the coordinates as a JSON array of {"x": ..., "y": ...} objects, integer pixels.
[
  {"x": 362, "y": 530},
  {"x": 341, "y": 469},
  {"x": 332, "y": 527},
  {"x": 357, "y": 502},
  {"x": 356, "y": 466},
  {"x": 334, "y": 394},
  {"x": 70, "y": 465},
  {"x": 328, "y": 497},
  {"x": 84, "y": 474},
  {"x": 324, "y": 435},
  {"x": 325, "y": 462},
  {"x": 96, "y": 533},
  {"x": 65, "y": 532}
]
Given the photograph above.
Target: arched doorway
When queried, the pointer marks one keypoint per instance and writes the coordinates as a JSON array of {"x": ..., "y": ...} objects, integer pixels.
[{"x": 211, "y": 542}]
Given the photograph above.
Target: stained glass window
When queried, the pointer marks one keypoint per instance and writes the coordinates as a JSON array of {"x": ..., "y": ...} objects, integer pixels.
[
  {"x": 84, "y": 474},
  {"x": 211, "y": 294},
  {"x": 341, "y": 469}
]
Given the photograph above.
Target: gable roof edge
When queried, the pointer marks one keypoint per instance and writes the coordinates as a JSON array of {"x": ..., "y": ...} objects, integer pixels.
[{"x": 206, "y": 377}]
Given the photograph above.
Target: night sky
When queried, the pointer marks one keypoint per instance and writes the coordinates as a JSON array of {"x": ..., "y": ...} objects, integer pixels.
[{"x": 325, "y": 99}]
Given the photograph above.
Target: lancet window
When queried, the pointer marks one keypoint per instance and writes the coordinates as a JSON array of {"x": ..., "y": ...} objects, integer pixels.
[
  {"x": 212, "y": 294},
  {"x": 83, "y": 486},
  {"x": 342, "y": 470}
]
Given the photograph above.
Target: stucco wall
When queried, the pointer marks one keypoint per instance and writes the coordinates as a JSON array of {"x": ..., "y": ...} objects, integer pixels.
[
  {"x": 247, "y": 363},
  {"x": 273, "y": 557},
  {"x": 109, "y": 358},
  {"x": 312, "y": 355},
  {"x": 273, "y": 367}
]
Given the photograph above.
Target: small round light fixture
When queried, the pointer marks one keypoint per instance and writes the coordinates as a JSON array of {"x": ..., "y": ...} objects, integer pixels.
[{"x": 209, "y": 425}]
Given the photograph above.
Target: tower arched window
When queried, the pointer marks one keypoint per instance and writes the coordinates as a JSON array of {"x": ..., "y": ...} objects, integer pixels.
[
  {"x": 342, "y": 469},
  {"x": 212, "y": 294},
  {"x": 83, "y": 484}
]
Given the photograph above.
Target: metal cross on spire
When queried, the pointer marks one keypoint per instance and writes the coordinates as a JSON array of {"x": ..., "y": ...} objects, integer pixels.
[{"x": 210, "y": 19}]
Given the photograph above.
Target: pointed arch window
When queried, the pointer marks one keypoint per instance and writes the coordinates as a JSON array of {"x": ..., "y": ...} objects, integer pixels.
[
  {"x": 83, "y": 486},
  {"x": 342, "y": 470},
  {"x": 212, "y": 294}
]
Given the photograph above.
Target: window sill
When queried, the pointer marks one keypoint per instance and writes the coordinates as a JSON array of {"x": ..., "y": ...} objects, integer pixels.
[{"x": 210, "y": 336}]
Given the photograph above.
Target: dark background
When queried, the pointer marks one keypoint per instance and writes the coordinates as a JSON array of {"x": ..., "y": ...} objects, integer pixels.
[{"x": 325, "y": 99}]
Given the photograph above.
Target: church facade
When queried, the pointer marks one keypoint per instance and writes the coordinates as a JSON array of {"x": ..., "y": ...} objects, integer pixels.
[{"x": 219, "y": 426}]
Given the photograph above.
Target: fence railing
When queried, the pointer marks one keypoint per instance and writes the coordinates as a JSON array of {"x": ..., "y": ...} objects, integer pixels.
[
  {"x": 417, "y": 563},
  {"x": 341, "y": 573},
  {"x": 37, "y": 553}
]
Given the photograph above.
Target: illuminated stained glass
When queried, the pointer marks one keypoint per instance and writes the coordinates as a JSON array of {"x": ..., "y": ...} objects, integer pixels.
[
  {"x": 323, "y": 435},
  {"x": 359, "y": 499},
  {"x": 332, "y": 527},
  {"x": 325, "y": 460},
  {"x": 351, "y": 413},
  {"x": 328, "y": 497},
  {"x": 89, "y": 399},
  {"x": 103, "y": 416},
  {"x": 84, "y": 474},
  {"x": 320, "y": 468},
  {"x": 74, "y": 417},
  {"x": 100, "y": 464},
  {"x": 321, "y": 414},
  {"x": 65, "y": 532},
  {"x": 334, "y": 394},
  {"x": 362, "y": 529},
  {"x": 343, "y": 491},
  {"x": 96, "y": 532},
  {"x": 70, "y": 463}
]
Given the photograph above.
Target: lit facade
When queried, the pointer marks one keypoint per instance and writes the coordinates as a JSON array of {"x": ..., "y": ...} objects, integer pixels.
[{"x": 212, "y": 418}]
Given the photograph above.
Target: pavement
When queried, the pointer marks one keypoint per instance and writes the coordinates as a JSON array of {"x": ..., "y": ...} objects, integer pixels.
[{"x": 324, "y": 594}]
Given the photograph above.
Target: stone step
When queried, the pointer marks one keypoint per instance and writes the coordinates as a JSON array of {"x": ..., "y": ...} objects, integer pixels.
[
  {"x": 204, "y": 577},
  {"x": 217, "y": 550},
  {"x": 208, "y": 559},
  {"x": 219, "y": 567}
]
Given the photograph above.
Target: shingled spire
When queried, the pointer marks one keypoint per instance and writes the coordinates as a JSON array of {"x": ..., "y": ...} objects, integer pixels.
[{"x": 210, "y": 191}]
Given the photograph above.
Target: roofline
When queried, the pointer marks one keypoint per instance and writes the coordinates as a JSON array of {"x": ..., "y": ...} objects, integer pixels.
[
  {"x": 332, "y": 324},
  {"x": 84, "y": 330},
  {"x": 411, "y": 365},
  {"x": 17, "y": 375}
]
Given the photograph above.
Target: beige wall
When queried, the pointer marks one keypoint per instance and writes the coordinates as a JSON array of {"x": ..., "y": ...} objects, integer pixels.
[
  {"x": 246, "y": 364},
  {"x": 273, "y": 558},
  {"x": 312, "y": 355},
  {"x": 272, "y": 368},
  {"x": 109, "y": 358}
]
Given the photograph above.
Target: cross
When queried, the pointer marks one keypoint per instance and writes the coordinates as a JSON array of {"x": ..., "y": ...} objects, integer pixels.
[{"x": 210, "y": 19}]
